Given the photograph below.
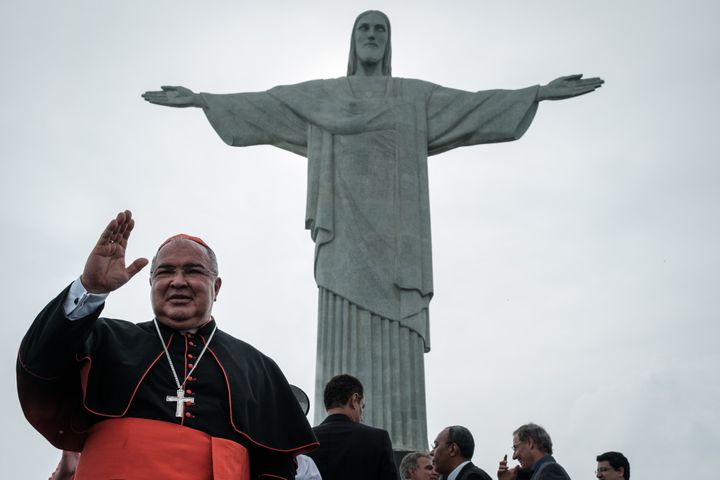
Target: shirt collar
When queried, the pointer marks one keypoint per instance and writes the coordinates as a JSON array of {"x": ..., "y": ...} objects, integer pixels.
[
  {"x": 453, "y": 475},
  {"x": 338, "y": 417},
  {"x": 204, "y": 329}
]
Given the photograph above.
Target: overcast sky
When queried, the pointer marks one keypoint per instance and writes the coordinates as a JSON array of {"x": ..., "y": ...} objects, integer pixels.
[{"x": 576, "y": 270}]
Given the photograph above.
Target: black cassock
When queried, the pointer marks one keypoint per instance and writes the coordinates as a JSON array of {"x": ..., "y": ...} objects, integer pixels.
[{"x": 73, "y": 374}]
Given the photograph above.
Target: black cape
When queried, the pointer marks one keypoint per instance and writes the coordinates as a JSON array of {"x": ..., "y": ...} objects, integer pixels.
[{"x": 71, "y": 374}]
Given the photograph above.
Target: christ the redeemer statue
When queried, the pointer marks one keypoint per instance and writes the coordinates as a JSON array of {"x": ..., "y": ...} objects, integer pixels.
[{"x": 367, "y": 137}]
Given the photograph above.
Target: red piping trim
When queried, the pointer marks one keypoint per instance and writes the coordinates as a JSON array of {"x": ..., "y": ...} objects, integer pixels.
[
  {"x": 185, "y": 371},
  {"x": 24, "y": 367},
  {"x": 86, "y": 371},
  {"x": 232, "y": 422}
]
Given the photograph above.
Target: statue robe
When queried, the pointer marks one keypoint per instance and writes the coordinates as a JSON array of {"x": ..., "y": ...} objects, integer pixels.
[{"x": 367, "y": 140}]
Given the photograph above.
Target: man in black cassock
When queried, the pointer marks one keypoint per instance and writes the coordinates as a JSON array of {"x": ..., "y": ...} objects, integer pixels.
[{"x": 171, "y": 398}]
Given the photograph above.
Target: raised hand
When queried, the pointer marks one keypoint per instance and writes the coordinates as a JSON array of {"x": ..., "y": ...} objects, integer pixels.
[
  {"x": 105, "y": 269},
  {"x": 505, "y": 473},
  {"x": 174, "y": 97},
  {"x": 568, "y": 87}
]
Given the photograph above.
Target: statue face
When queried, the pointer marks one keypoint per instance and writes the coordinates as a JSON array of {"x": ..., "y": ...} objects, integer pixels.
[{"x": 371, "y": 37}]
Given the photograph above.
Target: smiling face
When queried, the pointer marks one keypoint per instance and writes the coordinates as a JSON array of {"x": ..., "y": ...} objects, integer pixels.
[
  {"x": 371, "y": 38},
  {"x": 183, "y": 285},
  {"x": 521, "y": 452},
  {"x": 524, "y": 452}
]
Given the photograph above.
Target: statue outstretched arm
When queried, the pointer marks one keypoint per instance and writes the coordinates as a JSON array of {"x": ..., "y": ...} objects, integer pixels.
[
  {"x": 179, "y": 97},
  {"x": 568, "y": 87},
  {"x": 458, "y": 118},
  {"x": 242, "y": 119}
]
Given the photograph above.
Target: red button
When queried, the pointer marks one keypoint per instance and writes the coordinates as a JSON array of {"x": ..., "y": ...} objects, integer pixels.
[
  {"x": 189, "y": 415},
  {"x": 191, "y": 344},
  {"x": 191, "y": 379},
  {"x": 190, "y": 365},
  {"x": 190, "y": 355},
  {"x": 188, "y": 391}
]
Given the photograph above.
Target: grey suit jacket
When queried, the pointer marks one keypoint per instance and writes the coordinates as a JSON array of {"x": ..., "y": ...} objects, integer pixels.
[{"x": 550, "y": 470}]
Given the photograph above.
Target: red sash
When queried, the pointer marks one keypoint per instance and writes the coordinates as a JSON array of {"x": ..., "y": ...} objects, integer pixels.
[{"x": 139, "y": 449}]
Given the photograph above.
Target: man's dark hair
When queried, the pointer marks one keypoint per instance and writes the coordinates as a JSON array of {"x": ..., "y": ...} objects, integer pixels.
[
  {"x": 339, "y": 390},
  {"x": 462, "y": 437},
  {"x": 538, "y": 434},
  {"x": 616, "y": 460},
  {"x": 409, "y": 463}
]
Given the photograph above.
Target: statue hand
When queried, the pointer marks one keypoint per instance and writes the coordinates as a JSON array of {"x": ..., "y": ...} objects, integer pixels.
[
  {"x": 174, "y": 97},
  {"x": 105, "y": 269},
  {"x": 568, "y": 87}
]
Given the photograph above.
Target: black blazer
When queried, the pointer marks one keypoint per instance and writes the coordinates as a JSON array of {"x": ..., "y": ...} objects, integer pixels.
[
  {"x": 353, "y": 451},
  {"x": 471, "y": 472}
]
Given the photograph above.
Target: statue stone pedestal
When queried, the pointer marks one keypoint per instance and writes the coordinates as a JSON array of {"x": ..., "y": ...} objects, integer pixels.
[{"x": 385, "y": 356}]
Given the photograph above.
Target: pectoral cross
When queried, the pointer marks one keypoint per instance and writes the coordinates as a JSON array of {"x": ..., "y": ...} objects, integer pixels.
[{"x": 180, "y": 400}]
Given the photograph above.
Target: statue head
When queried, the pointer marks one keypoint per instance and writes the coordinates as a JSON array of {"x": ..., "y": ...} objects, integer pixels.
[{"x": 377, "y": 49}]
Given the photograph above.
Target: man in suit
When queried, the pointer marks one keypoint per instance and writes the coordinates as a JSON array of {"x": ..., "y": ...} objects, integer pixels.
[
  {"x": 532, "y": 448},
  {"x": 348, "y": 449},
  {"x": 452, "y": 451},
  {"x": 612, "y": 466}
]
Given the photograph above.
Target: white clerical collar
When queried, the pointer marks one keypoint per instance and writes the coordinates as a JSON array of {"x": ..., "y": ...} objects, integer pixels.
[
  {"x": 453, "y": 475},
  {"x": 195, "y": 330}
]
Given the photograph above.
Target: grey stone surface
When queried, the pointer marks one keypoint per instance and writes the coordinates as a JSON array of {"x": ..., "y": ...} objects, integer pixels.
[{"x": 367, "y": 137}]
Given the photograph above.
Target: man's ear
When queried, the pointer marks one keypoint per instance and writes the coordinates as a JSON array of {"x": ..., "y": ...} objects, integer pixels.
[
  {"x": 356, "y": 402},
  {"x": 218, "y": 284}
]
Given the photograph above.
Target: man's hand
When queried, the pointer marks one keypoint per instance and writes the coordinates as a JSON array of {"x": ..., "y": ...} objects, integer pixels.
[
  {"x": 505, "y": 473},
  {"x": 568, "y": 87},
  {"x": 67, "y": 466},
  {"x": 105, "y": 269},
  {"x": 174, "y": 97}
]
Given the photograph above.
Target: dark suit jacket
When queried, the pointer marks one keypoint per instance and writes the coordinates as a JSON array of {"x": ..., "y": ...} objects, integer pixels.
[
  {"x": 353, "y": 451},
  {"x": 472, "y": 472},
  {"x": 548, "y": 470}
]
